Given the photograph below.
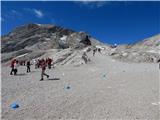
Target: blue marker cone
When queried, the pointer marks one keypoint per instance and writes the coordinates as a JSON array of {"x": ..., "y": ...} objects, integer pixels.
[
  {"x": 104, "y": 77},
  {"x": 67, "y": 87},
  {"x": 14, "y": 106}
]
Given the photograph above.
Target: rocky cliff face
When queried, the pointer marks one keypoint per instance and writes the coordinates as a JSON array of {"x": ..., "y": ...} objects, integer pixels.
[
  {"x": 38, "y": 38},
  {"x": 42, "y": 37}
]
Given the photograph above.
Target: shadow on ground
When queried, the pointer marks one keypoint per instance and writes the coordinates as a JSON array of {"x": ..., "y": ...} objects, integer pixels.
[
  {"x": 33, "y": 71},
  {"x": 21, "y": 74},
  {"x": 54, "y": 79}
]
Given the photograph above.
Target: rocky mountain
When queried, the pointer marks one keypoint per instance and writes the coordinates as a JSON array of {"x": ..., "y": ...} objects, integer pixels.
[
  {"x": 36, "y": 39},
  {"x": 66, "y": 46},
  {"x": 147, "y": 50},
  {"x": 42, "y": 37}
]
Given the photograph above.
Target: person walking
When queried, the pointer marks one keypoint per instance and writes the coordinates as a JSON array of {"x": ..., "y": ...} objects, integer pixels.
[
  {"x": 43, "y": 68},
  {"x": 15, "y": 67},
  {"x": 84, "y": 57},
  {"x": 28, "y": 66},
  {"x": 94, "y": 51},
  {"x": 36, "y": 64},
  {"x": 12, "y": 66}
]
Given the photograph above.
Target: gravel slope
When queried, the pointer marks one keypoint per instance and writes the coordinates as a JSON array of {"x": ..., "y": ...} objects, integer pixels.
[{"x": 101, "y": 89}]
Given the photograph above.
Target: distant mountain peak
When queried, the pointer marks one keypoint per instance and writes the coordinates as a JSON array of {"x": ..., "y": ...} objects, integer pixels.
[{"x": 34, "y": 36}]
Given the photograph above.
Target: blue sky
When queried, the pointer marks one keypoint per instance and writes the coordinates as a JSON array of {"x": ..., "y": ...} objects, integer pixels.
[{"x": 109, "y": 22}]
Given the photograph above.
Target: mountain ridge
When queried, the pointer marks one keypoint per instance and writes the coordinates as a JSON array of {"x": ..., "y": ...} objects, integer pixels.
[
  {"x": 31, "y": 36},
  {"x": 37, "y": 39}
]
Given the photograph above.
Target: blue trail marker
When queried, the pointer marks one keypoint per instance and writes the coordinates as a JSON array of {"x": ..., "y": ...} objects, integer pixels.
[{"x": 14, "y": 105}]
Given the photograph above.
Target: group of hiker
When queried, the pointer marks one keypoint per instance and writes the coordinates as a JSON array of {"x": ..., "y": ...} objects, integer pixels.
[
  {"x": 39, "y": 63},
  {"x": 42, "y": 63}
]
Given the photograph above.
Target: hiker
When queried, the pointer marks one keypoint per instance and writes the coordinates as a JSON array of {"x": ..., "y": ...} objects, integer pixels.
[
  {"x": 12, "y": 66},
  {"x": 99, "y": 50},
  {"x": 15, "y": 67},
  {"x": 35, "y": 63},
  {"x": 94, "y": 51},
  {"x": 28, "y": 66},
  {"x": 49, "y": 63},
  {"x": 43, "y": 67},
  {"x": 84, "y": 57}
]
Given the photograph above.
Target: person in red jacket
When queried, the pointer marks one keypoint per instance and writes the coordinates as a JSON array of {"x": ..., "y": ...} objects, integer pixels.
[
  {"x": 12, "y": 66},
  {"x": 43, "y": 67}
]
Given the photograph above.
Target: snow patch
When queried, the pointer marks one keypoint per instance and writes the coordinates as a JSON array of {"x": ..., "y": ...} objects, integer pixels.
[
  {"x": 154, "y": 103},
  {"x": 39, "y": 24},
  {"x": 64, "y": 38},
  {"x": 21, "y": 55}
]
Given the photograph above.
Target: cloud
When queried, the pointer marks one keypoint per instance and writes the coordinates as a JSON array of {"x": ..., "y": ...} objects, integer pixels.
[
  {"x": 38, "y": 13},
  {"x": 92, "y": 4}
]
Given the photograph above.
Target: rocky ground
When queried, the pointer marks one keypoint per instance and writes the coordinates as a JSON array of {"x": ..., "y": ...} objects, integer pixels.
[
  {"x": 102, "y": 89},
  {"x": 121, "y": 82}
]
